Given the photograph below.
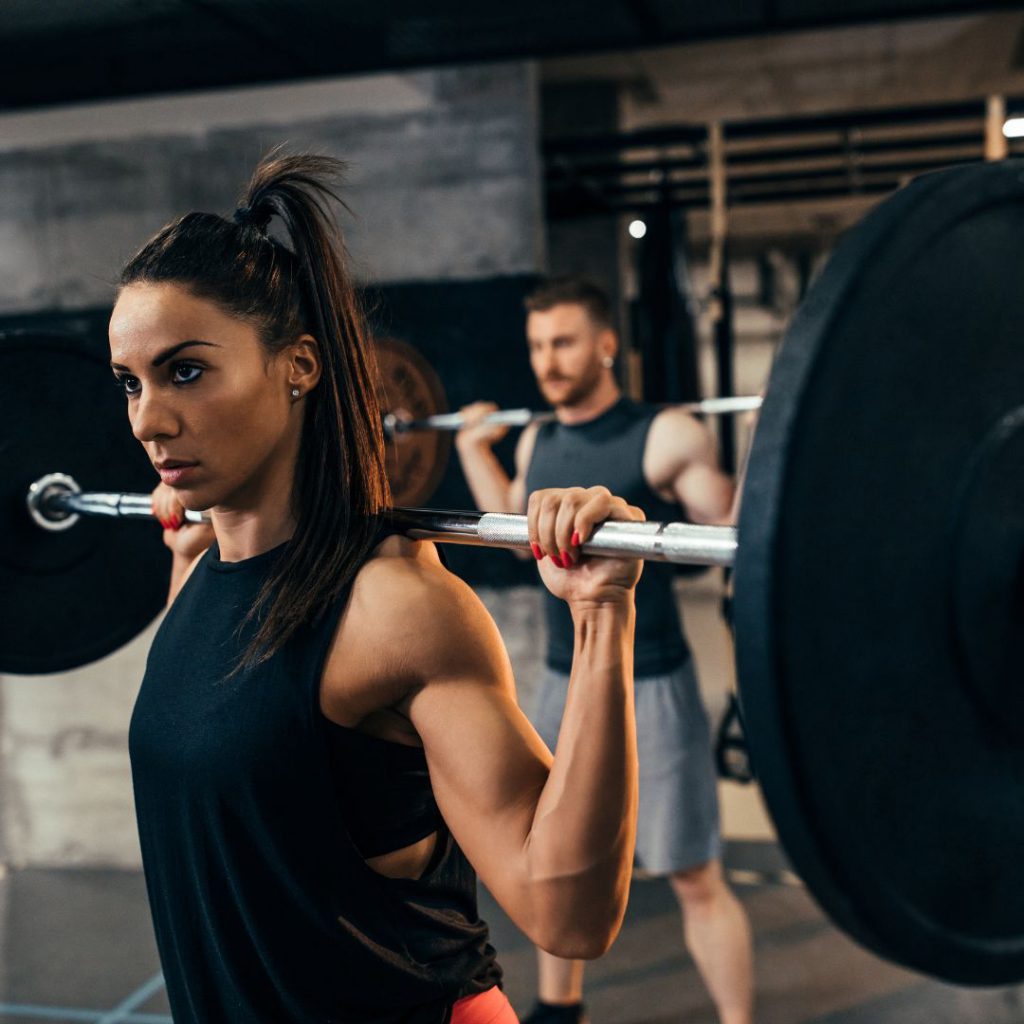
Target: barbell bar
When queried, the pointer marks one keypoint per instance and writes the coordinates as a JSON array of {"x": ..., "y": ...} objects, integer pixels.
[
  {"x": 56, "y": 502},
  {"x": 452, "y": 421}
]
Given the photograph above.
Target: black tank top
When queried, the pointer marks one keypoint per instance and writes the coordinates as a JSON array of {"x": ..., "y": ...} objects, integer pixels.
[
  {"x": 246, "y": 797},
  {"x": 609, "y": 450}
]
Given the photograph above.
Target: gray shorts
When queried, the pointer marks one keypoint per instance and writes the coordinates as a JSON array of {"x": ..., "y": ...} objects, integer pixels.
[{"x": 678, "y": 816}]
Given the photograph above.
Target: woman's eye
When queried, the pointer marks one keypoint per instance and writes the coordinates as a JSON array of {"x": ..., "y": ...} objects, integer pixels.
[
  {"x": 186, "y": 373},
  {"x": 128, "y": 384}
]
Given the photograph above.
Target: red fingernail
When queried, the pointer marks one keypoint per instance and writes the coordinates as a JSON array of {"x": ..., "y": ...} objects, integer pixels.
[
  {"x": 566, "y": 559},
  {"x": 163, "y": 523},
  {"x": 575, "y": 541},
  {"x": 176, "y": 523},
  {"x": 537, "y": 553},
  {"x": 557, "y": 561}
]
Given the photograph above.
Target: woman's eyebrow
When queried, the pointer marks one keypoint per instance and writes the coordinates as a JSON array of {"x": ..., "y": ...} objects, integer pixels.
[{"x": 170, "y": 352}]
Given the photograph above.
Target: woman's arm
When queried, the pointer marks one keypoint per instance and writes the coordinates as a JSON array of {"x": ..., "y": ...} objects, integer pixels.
[{"x": 552, "y": 839}]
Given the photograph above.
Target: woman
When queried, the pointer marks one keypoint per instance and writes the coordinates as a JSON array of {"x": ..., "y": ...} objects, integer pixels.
[{"x": 327, "y": 735}]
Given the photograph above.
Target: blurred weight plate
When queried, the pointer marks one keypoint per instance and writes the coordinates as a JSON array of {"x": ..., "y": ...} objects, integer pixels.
[
  {"x": 872, "y": 689},
  {"x": 411, "y": 389},
  {"x": 69, "y": 598}
]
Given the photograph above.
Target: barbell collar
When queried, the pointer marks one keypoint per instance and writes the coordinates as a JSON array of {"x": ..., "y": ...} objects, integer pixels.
[{"x": 56, "y": 502}]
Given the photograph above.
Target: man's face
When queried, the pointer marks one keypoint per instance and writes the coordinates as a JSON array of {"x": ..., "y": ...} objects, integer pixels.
[{"x": 567, "y": 350}]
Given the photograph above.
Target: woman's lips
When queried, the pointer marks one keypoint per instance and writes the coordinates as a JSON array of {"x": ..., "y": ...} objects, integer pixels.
[{"x": 173, "y": 475}]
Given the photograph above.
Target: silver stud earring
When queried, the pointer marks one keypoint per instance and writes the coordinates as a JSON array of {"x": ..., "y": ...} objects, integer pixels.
[
  {"x": 295, "y": 392},
  {"x": 607, "y": 362}
]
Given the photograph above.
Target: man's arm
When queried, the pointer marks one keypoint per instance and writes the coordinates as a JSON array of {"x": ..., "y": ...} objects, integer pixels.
[
  {"x": 492, "y": 489},
  {"x": 681, "y": 464}
]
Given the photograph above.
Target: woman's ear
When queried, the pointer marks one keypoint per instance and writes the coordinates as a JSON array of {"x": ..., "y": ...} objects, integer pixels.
[{"x": 304, "y": 365}]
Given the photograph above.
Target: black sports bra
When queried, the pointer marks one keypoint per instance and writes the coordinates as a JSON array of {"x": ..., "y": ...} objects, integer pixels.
[{"x": 384, "y": 788}]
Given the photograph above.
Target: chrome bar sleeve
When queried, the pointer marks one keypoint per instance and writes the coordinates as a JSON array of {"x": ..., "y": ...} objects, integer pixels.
[
  {"x": 120, "y": 505},
  {"x": 683, "y": 543}
]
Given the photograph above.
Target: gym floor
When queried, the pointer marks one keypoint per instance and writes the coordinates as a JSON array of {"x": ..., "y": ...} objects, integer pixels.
[{"x": 78, "y": 946}]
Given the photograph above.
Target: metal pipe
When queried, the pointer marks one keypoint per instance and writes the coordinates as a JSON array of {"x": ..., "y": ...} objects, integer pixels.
[
  {"x": 521, "y": 417},
  {"x": 56, "y": 502}
]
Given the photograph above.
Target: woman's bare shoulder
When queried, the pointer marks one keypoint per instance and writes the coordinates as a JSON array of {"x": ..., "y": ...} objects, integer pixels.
[
  {"x": 409, "y": 621},
  {"x": 403, "y": 588},
  {"x": 400, "y": 569}
]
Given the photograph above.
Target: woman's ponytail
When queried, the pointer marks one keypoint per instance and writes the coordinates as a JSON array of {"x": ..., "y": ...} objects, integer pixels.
[{"x": 281, "y": 263}]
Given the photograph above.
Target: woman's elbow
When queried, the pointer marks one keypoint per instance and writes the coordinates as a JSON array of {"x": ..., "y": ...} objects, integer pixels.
[
  {"x": 582, "y": 932},
  {"x": 577, "y": 917},
  {"x": 574, "y": 943}
]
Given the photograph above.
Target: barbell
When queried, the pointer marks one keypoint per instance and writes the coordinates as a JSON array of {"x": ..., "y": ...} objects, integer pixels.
[
  {"x": 56, "y": 502},
  {"x": 452, "y": 421},
  {"x": 879, "y": 567}
]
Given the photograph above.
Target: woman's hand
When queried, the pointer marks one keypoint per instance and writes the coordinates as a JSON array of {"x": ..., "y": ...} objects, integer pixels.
[
  {"x": 185, "y": 539},
  {"x": 560, "y": 521}
]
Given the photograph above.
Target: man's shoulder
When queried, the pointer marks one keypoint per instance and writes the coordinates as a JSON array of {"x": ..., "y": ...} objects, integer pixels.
[
  {"x": 675, "y": 439},
  {"x": 527, "y": 443},
  {"x": 677, "y": 430}
]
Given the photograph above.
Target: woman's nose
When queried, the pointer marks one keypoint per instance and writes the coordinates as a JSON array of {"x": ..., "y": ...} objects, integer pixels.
[{"x": 152, "y": 417}]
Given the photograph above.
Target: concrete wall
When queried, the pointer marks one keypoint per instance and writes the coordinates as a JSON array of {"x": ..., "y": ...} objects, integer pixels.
[
  {"x": 444, "y": 184},
  {"x": 444, "y": 176},
  {"x": 65, "y": 784}
]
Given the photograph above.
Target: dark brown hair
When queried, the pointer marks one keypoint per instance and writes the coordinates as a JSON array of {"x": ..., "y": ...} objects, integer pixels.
[
  {"x": 285, "y": 291},
  {"x": 571, "y": 288}
]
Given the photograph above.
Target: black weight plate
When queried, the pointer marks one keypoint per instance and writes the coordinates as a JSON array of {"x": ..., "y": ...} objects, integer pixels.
[
  {"x": 70, "y": 597},
  {"x": 872, "y": 715}
]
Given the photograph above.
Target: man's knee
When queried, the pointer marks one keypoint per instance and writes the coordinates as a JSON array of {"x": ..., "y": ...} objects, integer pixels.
[{"x": 698, "y": 886}]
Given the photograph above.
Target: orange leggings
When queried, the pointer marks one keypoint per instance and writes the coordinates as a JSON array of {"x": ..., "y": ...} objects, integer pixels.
[{"x": 490, "y": 1007}]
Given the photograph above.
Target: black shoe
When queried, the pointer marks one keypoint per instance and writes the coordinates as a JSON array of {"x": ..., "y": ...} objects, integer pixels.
[{"x": 546, "y": 1013}]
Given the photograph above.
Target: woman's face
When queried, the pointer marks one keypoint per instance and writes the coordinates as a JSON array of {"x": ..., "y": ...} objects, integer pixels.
[{"x": 212, "y": 408}]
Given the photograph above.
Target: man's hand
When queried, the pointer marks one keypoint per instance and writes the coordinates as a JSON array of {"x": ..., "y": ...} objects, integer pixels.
[{"x": 476, "y": 432}]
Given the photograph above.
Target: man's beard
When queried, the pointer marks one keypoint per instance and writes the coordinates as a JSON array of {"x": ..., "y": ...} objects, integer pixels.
[{"x": 580, "y": 390}]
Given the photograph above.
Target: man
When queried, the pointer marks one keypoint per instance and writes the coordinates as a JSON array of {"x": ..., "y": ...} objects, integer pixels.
[{"x": 664, "y": 461}]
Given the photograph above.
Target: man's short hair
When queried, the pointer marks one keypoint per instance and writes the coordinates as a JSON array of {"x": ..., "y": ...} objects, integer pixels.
[{"x": 571, "y": 288}]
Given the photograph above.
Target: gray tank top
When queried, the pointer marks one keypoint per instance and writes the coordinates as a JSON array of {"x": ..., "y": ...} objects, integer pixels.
[{"x": 609, "y": 450}]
